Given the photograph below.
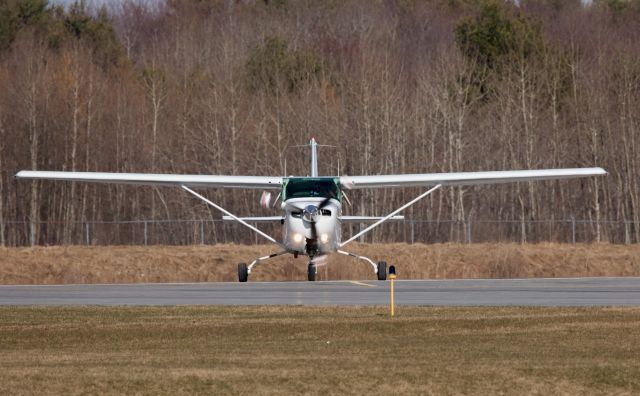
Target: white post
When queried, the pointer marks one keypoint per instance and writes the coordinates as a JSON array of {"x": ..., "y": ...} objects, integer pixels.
[
  {"x": 627, "y": 235},
  {"x": 413, "y": 231}
]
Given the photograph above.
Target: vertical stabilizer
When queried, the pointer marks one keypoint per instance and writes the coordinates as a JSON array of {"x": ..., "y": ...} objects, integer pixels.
[{"x": 314, "y": 157}]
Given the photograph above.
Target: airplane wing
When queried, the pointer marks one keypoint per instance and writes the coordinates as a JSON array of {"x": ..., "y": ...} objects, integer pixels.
[
  {"x": 465, "y": 178},
  {"x": 344, "y": 219},
  {"x": 367, "y": 219},
  {"x": 152, "y": 179},
  {"x": 265, "y": 219}
]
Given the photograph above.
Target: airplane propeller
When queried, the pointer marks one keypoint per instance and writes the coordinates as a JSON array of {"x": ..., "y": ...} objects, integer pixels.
[
  {"x": 265, "y": 199},
  {"x": 310, "y": 214}
]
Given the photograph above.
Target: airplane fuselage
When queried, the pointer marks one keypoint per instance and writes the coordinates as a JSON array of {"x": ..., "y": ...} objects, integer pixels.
[
  {"x": 311, "y": 212},
  {"x": 297, "y": 233}
]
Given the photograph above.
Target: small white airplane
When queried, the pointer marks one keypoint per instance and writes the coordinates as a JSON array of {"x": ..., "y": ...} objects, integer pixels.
[{"x": 312, "y": 205}]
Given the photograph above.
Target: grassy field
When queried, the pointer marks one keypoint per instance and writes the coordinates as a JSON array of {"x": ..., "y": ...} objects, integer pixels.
[
  {"x": 130, "y": 264},
  {"x": 312, "y": 350}
]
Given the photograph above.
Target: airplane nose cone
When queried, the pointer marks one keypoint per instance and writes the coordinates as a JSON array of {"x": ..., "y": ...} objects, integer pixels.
[{"x": 310, "y": 213}]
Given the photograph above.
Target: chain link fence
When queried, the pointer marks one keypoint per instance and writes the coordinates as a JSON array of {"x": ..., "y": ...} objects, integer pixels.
[{"x": 192, "y": 232}]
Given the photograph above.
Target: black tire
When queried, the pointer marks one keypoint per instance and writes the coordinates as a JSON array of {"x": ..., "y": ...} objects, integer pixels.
[
  {"x": 311, "y": 272},
  {"x": 243, "y": 273},
  {"x": 382, "y": 270}
]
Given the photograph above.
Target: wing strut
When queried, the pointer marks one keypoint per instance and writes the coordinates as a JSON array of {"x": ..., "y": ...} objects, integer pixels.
[
  {"x": 390, "y": 215},
  {"x": 239, "y": 220},
  {"x": 367, "y": 259}
]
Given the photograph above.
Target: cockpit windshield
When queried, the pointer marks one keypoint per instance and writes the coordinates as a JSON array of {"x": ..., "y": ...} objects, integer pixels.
[{"x": 305, "y": 187}]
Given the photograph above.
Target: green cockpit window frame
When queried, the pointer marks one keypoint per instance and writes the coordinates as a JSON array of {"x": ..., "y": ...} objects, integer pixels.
[{"x": 311, "y": 187}]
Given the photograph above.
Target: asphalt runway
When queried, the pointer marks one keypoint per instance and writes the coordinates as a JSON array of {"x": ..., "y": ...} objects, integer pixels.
[{"x": 486, "y": 292}]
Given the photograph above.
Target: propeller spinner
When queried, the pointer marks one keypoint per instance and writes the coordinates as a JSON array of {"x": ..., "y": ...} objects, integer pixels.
[{"x": 310, "y": 214}]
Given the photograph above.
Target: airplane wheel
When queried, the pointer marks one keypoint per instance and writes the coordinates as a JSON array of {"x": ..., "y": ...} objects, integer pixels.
[
  {"x": 382, "y": 270},
  {"x": 311, "y": 272},
  {"x": 243, "y": 273}
]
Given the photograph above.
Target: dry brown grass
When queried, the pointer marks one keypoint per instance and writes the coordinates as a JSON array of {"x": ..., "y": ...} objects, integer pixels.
[
  {"x": 116, "y": 264},
  {"x": 319, "y": 350}
]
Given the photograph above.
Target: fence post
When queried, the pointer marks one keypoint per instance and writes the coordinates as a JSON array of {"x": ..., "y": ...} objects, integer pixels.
[
  {"x": 87, "y": 237},
  {"x": 573, "y": 230},
  {"x": 202, "y": 232},
  {"x": 413, "y": 231},
  {"x": 145, "y": 234},
  {"x": 32, "y": 232},
  {"x": 469, "y": 231},
  {"x": 627, "y": 235}
]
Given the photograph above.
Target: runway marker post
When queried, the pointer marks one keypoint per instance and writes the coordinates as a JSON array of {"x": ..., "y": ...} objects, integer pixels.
[{"x": 392, "y": 277}]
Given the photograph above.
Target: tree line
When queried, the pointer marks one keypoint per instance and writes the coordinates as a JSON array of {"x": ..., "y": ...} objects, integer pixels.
[{"x": 395, "y": 86}]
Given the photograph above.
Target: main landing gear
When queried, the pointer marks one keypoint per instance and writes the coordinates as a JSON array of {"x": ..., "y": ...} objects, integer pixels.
[
  {"x": 244, "y": 271},
  {"x": 379, "y": 269}
]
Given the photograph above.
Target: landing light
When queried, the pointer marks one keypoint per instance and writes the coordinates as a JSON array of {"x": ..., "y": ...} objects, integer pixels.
[
  {"x": 324, "y": 238},
  {"x": 297, "y": 237}
]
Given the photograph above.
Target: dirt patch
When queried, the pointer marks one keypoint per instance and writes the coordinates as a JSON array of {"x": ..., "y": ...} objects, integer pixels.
[{"x": 125, "y": 264}]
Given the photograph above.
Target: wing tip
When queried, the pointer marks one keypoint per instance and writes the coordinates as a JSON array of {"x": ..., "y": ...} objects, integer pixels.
[{"x": 600, "y": 171}]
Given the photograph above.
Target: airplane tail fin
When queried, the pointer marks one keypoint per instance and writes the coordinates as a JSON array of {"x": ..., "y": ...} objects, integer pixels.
[{"x": 314, "y": 157}]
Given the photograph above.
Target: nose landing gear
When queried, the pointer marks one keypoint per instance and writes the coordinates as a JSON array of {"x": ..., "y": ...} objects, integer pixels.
[{"x": 312, "y": 270}]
